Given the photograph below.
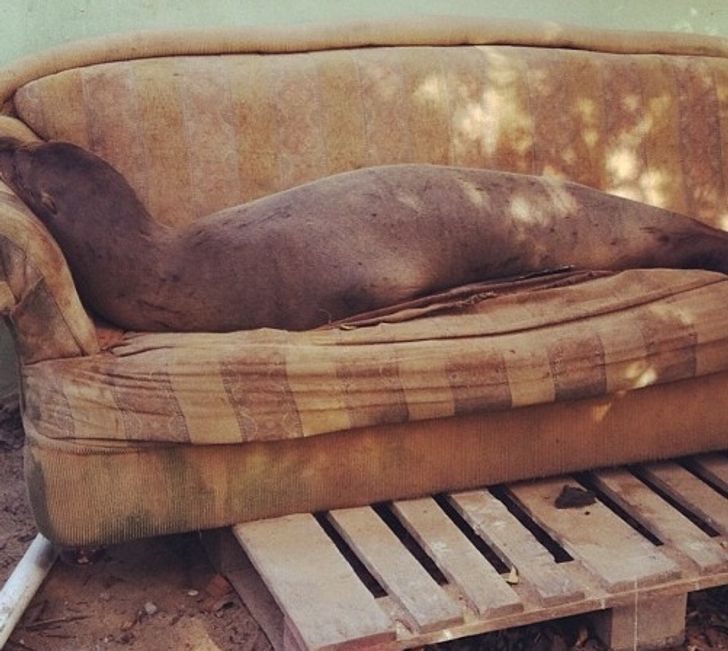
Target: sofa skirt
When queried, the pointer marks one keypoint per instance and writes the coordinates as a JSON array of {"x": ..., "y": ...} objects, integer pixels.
[{"x": 87, "y": 494}]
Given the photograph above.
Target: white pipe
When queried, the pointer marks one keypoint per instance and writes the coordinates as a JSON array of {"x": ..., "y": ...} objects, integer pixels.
[{"x": 23, "y": 583}]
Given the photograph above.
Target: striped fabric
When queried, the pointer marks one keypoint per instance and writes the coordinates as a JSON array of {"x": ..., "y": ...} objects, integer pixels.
[
  {"x": 601, "y": 336},
  {"x": 532, "y": 382},
  {"x": 195, "y": 134},
  {"x": 103, "y": 492},
  {"x": 37, "y": 294}
]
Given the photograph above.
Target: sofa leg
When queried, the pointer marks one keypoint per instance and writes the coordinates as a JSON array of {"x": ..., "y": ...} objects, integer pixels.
[
  {"x": 654, "y": 623},
  {"x": 223, "y": 550},
  {"x": 81, "y": 555}
]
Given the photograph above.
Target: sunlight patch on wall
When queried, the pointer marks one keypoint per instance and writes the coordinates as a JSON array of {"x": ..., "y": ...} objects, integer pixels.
[{"x": 690, "y": 22}]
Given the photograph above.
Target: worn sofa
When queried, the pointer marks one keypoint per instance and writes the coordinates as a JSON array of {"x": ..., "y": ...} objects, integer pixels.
[{"x": 138, "y": 434}]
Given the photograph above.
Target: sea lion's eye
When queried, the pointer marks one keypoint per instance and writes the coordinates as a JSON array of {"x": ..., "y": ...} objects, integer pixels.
[{"x": 48, "y": 203}]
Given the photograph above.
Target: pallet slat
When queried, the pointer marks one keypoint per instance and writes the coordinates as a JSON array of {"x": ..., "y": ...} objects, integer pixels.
[
  {"x": 691, "y": 492},
  {"x": 259, "y": 601},
  {"x": 619, "y": 557},
  {"x": 516, "y": 546},
  {"x": 659, "y": 517},
  {"x": 428, "y": 606},
  {"x": 714, "y": 467},
  {"x": 323, "y": 600},
  {"x": 301, "y": 584},
  {"x": 485, "y": 590}
]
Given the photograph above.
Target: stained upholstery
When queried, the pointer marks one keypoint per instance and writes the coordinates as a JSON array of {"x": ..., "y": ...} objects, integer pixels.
[
  {"x": 37, "y": 294},
  {"x": 91, "y": 492},
  {"x": 596, "y": 337},
  {"x": 197, "y": 134},
  {"x": 133, "y": 434}
]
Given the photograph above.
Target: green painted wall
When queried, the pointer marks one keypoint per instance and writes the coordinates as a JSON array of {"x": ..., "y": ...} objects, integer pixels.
[{"x": 27, "y": 26}]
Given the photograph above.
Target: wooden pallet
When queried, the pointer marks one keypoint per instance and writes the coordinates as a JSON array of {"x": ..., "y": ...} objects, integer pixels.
[{"x": 421, "y": 571}]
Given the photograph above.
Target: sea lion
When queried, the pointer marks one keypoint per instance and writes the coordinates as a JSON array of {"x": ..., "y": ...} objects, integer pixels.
[{"x": 338, "y": 246}]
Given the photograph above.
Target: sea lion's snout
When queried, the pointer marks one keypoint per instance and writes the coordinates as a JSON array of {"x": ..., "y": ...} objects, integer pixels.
[
  {"x": 31, "y": 171},
  {"x": 15, "y": 169},
  {"x": 16, "y": 165}
]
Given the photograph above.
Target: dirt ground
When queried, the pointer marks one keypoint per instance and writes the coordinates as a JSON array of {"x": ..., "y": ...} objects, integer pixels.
[{"x": 163, "y": 595}]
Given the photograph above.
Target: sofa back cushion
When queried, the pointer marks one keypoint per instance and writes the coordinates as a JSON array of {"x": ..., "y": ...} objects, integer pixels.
[{"x": 194, "y": 134}]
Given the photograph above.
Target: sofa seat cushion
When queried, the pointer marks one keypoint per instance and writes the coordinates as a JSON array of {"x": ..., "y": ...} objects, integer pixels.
[
  {"x": 89, "y": 493},
  {"x": 591, "y": 337}
]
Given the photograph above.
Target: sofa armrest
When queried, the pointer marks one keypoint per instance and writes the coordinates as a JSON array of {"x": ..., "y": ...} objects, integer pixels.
[{"x": 37, "y": 295}]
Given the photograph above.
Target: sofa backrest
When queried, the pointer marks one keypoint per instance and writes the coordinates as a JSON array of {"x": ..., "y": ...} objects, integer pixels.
[{"x": 194, "y": 134}]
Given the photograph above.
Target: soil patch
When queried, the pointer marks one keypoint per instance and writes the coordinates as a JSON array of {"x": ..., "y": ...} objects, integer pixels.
[{"x": 17, "y": 529}]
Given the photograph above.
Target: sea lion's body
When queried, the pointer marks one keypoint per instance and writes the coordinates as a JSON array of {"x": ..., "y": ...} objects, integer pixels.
[{"x": 341, "y": 245}]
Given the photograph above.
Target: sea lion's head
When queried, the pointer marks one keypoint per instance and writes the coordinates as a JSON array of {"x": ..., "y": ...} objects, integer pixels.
[
  {"x": 74, "y": 192},
  {"x": 41, "y": 174}
]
